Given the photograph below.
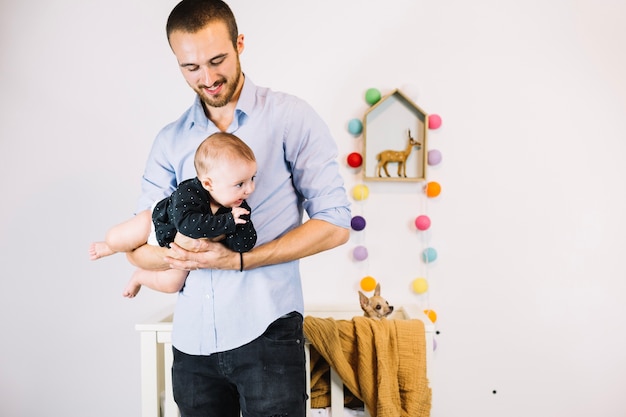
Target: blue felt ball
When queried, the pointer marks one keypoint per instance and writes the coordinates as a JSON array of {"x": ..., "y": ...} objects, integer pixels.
[
  {"x": 355, "y": 127},
  {"x": 429, "y": 255}
]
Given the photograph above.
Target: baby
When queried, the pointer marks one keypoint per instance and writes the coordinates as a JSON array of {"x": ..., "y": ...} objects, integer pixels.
[{"x": 210, "y": 206}]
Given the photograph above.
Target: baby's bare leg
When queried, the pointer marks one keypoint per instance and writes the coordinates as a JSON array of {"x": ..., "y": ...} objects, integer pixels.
[
  {"x": 170, "y": 281},
  {"x": 124, "y": 237},
  {"x": 131, "y": 234}
]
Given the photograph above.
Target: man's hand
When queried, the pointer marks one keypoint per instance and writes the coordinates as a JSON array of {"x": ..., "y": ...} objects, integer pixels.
[
  {"x": 194, "y": 245},
  {"x": 215, "y": 256}
]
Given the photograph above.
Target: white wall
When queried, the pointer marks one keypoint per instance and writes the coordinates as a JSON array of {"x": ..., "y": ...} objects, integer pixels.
[{"x": 529, "y": 227}]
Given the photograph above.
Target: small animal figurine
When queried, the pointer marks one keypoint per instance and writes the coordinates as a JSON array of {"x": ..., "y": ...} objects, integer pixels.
[
  {"x": 399, "y": 157},
  {"x": 375, "y": 307}
]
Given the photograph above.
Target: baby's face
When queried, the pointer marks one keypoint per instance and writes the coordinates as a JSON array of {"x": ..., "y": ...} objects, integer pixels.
[{"x": 231, "y": 183}]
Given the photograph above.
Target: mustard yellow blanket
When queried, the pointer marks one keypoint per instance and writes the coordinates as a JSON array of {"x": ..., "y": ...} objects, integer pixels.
[{"x": 382, "y": 362}]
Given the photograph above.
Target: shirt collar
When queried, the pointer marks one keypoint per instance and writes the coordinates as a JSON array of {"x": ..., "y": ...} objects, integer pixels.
[{"x": 245, "y": 104}]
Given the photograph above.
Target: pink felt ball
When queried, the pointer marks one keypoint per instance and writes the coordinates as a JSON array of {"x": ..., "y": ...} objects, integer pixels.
[
  {"x": 355, "y": 160},
  {"x": 422, "y": 222},
  {"x": 434, "y": 121}
]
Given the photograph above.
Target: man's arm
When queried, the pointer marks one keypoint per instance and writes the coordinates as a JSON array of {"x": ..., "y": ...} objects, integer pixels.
[
  {"x": 152, "y": 257},
  {"x": 312, "y": 237},
  {"x": 149, "y": 257}
]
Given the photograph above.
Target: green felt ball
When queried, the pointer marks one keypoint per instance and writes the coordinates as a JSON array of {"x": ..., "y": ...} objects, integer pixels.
[{"x": 372, "y": 96}]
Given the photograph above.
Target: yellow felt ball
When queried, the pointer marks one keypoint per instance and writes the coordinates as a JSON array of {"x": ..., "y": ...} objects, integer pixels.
[
  {"x": 432, "y": 316},
  {"x": 420, "y": 285},
  {"x": 368, "y": 283},
  {"x": 360, "y": 192}
]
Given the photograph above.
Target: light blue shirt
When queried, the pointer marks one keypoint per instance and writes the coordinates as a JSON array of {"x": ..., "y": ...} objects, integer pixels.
[{"x": 297, "y": 170}]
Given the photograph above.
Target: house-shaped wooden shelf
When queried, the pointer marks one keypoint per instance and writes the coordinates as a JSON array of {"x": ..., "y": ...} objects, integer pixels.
[{"x": 394, "y": 140}]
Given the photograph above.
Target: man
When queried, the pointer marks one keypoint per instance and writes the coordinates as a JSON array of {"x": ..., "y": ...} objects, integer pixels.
[{"x": 237, "y": 335}]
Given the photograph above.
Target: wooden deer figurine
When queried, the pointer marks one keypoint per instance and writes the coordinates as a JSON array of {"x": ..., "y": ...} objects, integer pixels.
[{"x": 400, "y": 157}]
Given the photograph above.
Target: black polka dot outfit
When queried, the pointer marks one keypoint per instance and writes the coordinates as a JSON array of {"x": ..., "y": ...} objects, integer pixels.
[{"x": 188, "y": 211}]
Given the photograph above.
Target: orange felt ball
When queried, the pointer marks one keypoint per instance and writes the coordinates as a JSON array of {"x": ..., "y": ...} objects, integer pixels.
[
  {"x": 432, "y": 316},
  {"x": 433, "y": 189},
  {"x": 368, "y": 283}
]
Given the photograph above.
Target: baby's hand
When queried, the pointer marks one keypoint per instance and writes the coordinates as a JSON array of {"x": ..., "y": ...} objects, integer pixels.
[{"x": 237, "y": 213}]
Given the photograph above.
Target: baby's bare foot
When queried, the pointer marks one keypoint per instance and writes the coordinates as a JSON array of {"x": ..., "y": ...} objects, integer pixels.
[
  {"x": 99, "y": 250},
  {"x": 131, "y": 289}
]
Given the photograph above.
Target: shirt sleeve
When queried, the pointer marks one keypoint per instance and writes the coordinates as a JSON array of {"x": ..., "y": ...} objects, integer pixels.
[
  {"x": 312, "y": 152},
  {"x": 159, "y": 177}
]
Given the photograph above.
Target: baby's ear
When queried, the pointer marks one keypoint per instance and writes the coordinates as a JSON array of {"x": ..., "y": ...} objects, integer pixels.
[{"x": 207, "y": 183}]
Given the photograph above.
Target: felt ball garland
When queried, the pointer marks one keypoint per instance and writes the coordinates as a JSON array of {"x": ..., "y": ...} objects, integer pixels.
[{"x": 423, "y": 224}]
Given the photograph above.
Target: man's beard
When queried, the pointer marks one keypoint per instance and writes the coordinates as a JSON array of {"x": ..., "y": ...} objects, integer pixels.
[{"x": 230, "y": 86}]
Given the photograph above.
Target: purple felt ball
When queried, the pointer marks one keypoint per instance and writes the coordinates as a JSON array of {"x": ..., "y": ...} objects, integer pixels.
[
  {"x": 358, "y": 223},
  {"x": 360, "y": 253},
  {"x": 434, "y": 157}
]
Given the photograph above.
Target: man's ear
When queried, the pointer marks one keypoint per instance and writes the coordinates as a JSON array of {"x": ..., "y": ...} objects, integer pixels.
[{"x": 240, "y": 43}]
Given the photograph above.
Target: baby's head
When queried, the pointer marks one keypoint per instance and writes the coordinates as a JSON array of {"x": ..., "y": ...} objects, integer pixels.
[{"x": 226, "y": 166}]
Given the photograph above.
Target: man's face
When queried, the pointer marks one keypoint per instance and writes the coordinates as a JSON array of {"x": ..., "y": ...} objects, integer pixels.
[{"x": 209, "y": 62}]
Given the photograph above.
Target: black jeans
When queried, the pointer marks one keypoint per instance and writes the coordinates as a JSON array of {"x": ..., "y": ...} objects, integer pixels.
[{"x": 264, "y": 378}]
